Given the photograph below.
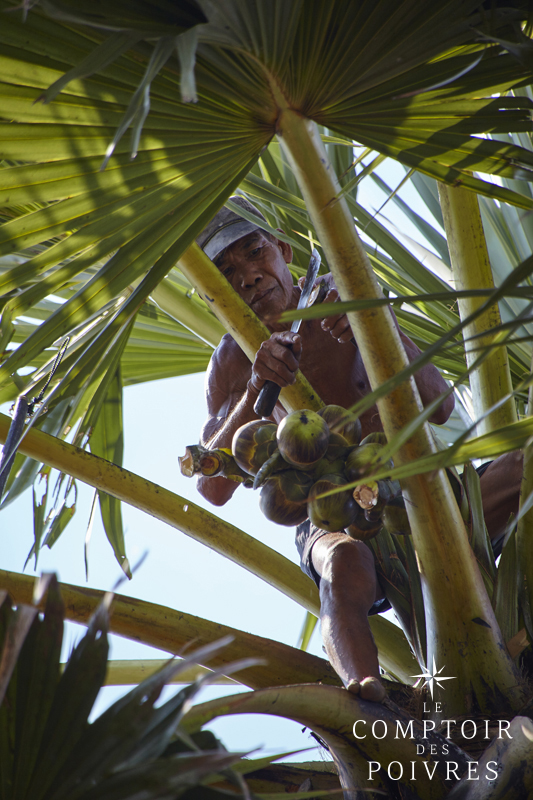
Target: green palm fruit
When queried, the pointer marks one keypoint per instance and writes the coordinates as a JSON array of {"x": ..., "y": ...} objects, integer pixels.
[
  {"x": 333, "y": 460},
  {"x": 360, "y": 459},
  {"x": 339, "y": 441},
  {"x": 334, "y": 512},
  {"x": 284, "y": 495},
  {"x": 342, "y": 421},
  {"x": 396, "y": 520},
  {"x": 303, "y": 438},
  {"x": 363, "y": 529},
  {"x": 377, "y": 437},
  {"x": 254, "y": 443}
]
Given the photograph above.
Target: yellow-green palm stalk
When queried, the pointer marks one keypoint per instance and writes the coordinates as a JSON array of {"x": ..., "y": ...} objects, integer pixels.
[
  {"x": 128, "y": 672},
  {"x": 177, "y": 303},
  {"x": 490, "y": 381},
  {"x": 210, "y": 530},
  {"x": 462, "y": 630},
  {"x": 176, "y": 511},
  {"x": 172, "y": 631},
  {"x": 239, "y": 320}
]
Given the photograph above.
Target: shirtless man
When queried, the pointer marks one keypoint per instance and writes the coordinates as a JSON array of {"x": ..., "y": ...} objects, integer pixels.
[{"x": 255, "y": 264}]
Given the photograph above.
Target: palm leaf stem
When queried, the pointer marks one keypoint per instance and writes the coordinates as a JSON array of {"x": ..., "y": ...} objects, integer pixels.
[
  {"x": 331, "y": 714},
  {"x": 128, "y": 672},
  {"x": 226, "y": 539},
  {"x": 179, "y": 512},
  {"x": 491, "y": 379},
  {"x": 173, "y": 631},
  {"x": 454, "y": 592},
  {"x": 178, "y": 304}
]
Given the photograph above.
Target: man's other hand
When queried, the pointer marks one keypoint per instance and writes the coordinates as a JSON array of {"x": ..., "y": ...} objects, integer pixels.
[
  {"x": 338, "y": 326},
  {"x": 277, "y": 360}
]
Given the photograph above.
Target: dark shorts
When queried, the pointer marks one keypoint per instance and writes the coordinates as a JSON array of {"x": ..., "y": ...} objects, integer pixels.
[{"x": 307, "y": 534}]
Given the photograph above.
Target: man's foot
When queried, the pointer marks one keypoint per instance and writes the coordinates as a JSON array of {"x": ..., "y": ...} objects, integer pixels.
[{"x": 368, "y": 689}]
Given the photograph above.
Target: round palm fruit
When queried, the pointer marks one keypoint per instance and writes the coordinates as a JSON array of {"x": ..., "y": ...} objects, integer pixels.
[
  {"x": 359, "y": 460},
  {"x": 254, "y": 443},
  {"x": 342, "y": 421},
  {"x": 283, "y": 497},
  {"x": 377, "y": 437},
  {"x": 363, "y": 529},
  {"x": 334, "y": 512},
  {"x": 335, "y": 456},
  {"x": 303, "y": 438}
]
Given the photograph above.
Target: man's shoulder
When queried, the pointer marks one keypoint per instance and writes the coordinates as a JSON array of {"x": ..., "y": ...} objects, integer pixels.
[
  {"x": 227, "y": 350},
  {"x": 228, "y": 364}
]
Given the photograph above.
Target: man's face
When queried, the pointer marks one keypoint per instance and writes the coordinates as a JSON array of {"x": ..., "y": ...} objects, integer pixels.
[{"x": 257, "y": 269}]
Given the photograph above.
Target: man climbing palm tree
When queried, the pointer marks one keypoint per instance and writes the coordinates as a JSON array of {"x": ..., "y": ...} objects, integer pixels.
[{"x": 255, "y": 264}]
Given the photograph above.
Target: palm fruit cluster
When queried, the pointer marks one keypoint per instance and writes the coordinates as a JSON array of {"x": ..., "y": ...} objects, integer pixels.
[{"x": 300, "y": 462}]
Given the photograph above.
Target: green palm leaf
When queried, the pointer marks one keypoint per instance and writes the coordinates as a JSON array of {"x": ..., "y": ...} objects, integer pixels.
[{"x": 50, "y": 750}]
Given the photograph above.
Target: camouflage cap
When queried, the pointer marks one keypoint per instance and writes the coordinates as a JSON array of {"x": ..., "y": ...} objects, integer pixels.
[{"x": 227, "y": 227}]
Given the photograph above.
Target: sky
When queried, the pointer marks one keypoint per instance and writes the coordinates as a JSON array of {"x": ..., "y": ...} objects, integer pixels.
[{"x": 160, "y": 419}]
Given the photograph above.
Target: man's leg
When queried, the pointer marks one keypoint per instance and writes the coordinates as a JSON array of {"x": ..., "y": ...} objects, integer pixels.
[
  {"x": 348, "y": 589},
  {"x": 500, "y": 491}
]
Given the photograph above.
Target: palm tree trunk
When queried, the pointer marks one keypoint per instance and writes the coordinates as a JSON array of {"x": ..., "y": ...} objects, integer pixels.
[
  {"x": 462, "y": 631},
  {"x": 490, "y": 381}
]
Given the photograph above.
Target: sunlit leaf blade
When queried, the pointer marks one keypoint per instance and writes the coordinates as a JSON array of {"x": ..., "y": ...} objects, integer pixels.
[
  {"x": 61, "y": 513},
  {"x": 107, "y": 441},
  {"x": 418, "y": 616},
  {"x": 308, "y": 628},
  {"x": 505, "y": 597},
  {"x": 110, "y": 49},
  {"x": 479, "y": 538},
  {"x": 40, "y": 497}
]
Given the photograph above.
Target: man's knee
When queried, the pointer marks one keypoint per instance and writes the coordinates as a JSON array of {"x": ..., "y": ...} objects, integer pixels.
[{"x": 346, "y": 568}]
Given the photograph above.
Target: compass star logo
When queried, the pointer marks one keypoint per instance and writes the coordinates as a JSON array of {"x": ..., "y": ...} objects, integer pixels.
[{"x": 433, "y": 677}]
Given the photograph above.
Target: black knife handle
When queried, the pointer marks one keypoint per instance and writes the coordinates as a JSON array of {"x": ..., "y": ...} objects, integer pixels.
[{"x": 267, "y": 399}]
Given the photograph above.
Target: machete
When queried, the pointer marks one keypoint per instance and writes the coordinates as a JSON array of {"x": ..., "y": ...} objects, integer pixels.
[{"x": 268, "y": 396}]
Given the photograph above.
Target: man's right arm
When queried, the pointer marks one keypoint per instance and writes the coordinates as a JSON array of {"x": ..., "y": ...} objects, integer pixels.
[
  {"x": 230, "y": 406},
  {"x": 227, "y": 410}
]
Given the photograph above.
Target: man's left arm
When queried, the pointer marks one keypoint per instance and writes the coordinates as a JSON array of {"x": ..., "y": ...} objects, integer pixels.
[{"x": 429, "y": 381}]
